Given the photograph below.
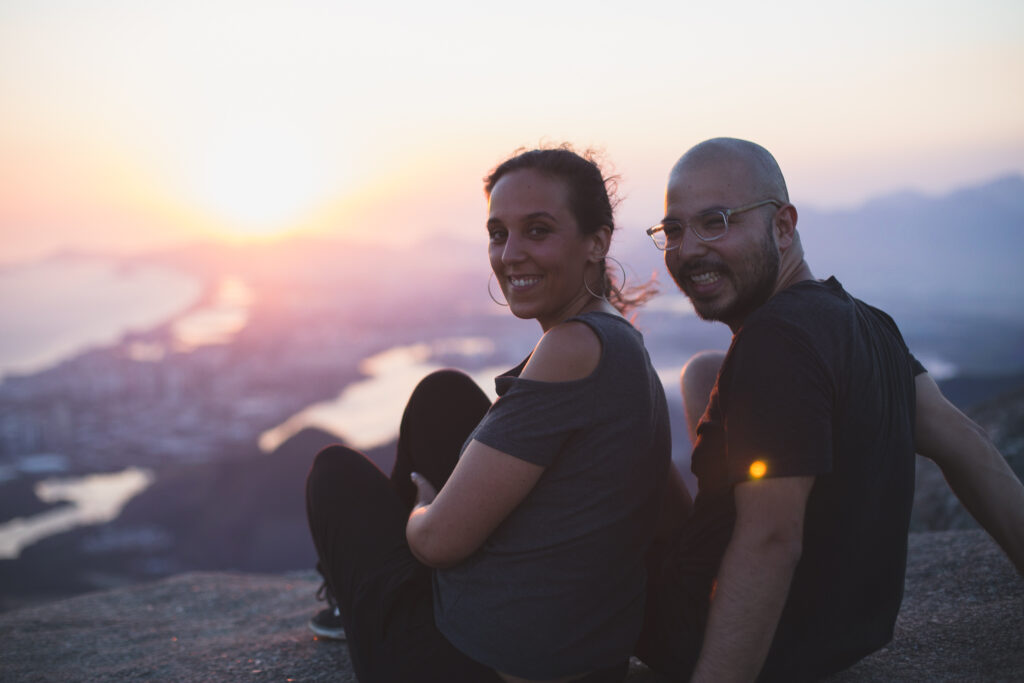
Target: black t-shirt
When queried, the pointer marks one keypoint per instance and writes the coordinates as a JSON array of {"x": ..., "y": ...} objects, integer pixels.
[{"x": 817, "y": 383}]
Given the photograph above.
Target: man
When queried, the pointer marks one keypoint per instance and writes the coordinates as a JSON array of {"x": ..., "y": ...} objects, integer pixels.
[{"x": 792, "y": 563}]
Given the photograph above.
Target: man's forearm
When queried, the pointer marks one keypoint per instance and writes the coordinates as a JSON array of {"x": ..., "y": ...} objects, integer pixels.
[
  {"x": 752, "y": 586},
  {"x": 975, "y": 470},
  {"x": 991, "y": 492}
]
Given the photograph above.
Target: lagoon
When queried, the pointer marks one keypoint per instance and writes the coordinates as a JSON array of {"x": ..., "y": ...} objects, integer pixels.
[
  {"x": 367, "y": 413},
  {"x": 95, "y": 499}
]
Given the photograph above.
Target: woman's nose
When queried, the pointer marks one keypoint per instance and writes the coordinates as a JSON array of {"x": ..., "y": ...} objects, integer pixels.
[{"x": 513, "y": 251}]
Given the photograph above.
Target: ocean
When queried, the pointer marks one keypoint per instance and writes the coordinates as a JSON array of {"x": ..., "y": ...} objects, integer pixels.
[{"x": 53, "y": 309}]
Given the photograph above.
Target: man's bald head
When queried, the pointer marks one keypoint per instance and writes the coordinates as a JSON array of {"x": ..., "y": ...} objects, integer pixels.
[
  {"x": 758, "y": 167},
  {"x": 728, "y": 278}
]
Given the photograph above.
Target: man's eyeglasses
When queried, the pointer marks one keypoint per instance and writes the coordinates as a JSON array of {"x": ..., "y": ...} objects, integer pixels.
[{"x": 708, "y": 226}]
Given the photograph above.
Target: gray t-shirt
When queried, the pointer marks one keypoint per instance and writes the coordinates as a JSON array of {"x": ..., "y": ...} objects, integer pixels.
[{"x": 558, "y": 588}]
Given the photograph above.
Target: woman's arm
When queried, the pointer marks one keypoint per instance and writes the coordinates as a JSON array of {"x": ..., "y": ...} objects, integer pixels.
[
  {"x": 487, "y": 484},
  {"x": 484, "y": 488}
]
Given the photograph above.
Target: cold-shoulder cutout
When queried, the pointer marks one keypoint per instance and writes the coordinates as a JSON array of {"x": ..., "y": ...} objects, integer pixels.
[{"x": 568, "y": 351}]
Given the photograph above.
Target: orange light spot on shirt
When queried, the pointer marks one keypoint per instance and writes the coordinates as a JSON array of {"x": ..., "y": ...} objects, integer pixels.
[{"x": 757, "y": 469}]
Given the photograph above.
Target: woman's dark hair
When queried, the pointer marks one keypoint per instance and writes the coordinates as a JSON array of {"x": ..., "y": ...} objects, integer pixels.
[{"x": 592, "y": 198}]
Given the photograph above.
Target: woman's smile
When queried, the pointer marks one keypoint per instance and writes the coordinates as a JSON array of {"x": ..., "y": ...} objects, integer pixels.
[
  {"x": 537, "y": 250},
  {"x": 521, "y": 283}
]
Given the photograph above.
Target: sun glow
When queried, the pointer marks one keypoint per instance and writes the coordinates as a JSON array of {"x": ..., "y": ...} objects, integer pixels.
[{"x": 262, "y": 180}]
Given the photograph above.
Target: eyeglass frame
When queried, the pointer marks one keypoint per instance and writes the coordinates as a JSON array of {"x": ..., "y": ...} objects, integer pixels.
[{"x": 726, "y": 214}]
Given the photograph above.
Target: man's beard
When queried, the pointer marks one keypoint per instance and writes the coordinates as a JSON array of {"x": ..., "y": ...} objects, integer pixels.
[{"x": 762, "y": 275}]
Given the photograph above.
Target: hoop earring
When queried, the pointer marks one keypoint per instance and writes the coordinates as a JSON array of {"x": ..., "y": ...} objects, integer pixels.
[
  {"x": 602, "y": 297},
  {"x": 605, "y": 296},
  {"x": 622, "y": 268},
  {"x": 493, "y": 298}
]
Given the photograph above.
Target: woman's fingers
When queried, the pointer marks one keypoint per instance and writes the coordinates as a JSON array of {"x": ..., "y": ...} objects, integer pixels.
[{"x": 425, "y": 491}]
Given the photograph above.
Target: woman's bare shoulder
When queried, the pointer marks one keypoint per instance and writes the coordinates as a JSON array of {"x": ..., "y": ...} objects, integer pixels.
[{"x": 568, "y": 351}]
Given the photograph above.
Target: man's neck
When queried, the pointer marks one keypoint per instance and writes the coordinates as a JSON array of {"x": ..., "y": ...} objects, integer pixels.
[
  {"x": 789, "y": 275},
  {"x": 792, "y": 274}
]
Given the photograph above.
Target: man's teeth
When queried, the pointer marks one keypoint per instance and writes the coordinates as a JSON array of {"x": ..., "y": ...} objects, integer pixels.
[
  {"x": 523, "y": 281},
  {"x": 704, "y": 278}
]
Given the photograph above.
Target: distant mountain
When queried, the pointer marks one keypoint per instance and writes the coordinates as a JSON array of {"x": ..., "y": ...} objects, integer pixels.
[{"x": 961, "y": 250}]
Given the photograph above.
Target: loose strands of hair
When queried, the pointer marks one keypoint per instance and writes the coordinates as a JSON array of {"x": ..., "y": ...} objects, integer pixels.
[{"x": 592, "y": 197}]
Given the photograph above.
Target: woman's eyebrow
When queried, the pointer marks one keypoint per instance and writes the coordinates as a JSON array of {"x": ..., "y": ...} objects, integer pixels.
[{"x": 492, "y": 222}]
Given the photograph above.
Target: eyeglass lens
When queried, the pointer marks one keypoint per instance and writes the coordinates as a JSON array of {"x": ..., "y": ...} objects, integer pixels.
[{"x": 709, "y": 226}]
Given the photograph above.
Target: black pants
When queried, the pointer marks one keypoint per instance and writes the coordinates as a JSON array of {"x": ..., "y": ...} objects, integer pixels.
[{"x": 357, "y": 516}]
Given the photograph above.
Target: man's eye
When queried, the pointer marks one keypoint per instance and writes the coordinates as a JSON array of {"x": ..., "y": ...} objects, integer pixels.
[
  {"x": 712, "y": 223},
  {"x": 672, "y": 230}
]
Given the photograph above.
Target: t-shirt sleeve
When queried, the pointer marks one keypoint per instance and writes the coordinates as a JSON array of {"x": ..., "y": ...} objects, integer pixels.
[
  {"x": 778, "y": 410},
  {"x": 533, "y": 420}
]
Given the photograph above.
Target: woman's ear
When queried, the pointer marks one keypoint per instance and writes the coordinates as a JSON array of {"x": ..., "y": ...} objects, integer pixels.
[{"x": 600, "y": 242}]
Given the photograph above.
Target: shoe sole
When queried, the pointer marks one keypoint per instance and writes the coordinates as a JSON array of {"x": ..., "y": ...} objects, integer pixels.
[{"x": 329, "y": 633}]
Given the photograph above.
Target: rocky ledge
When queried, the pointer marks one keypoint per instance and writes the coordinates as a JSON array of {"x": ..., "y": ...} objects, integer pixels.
[{"x": 962, "y": 620}]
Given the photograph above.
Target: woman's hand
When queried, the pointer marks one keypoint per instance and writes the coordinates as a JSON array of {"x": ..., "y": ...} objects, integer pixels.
[{"x": 425, "y": 491}]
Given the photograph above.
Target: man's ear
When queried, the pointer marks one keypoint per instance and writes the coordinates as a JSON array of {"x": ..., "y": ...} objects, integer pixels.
[
  {"x": 784, "y": 226},
  {"x": 600, "y": 242}
]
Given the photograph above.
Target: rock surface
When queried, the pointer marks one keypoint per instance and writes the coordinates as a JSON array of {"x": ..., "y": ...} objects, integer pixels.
[{"x": 962, "y": 620}]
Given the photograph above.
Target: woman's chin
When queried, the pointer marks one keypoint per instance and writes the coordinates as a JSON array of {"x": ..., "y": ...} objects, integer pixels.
[{"x": 522, "y": 310}]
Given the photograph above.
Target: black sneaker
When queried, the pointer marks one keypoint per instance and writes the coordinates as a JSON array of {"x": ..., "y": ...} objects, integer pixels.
[{"x": 327, "y": 624}]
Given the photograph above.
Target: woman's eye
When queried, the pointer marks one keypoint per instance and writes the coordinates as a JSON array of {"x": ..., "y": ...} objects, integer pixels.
[
  {"x": 539, "y": 230},
  {"x": 497, "y": 235}
]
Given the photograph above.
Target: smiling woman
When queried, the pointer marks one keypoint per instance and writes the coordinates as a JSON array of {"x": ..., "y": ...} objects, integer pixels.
[{"x": 260, "y": 179}]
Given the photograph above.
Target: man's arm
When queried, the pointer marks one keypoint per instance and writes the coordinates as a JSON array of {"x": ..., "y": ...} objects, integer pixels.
[
  {"x": 974, "y": 469},
  {"x": 754, "y": 578}
]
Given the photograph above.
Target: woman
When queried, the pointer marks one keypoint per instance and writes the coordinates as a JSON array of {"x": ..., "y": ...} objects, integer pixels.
[{"x": 522, "y": 556}]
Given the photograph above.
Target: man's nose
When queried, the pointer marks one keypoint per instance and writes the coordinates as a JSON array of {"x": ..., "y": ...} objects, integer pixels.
[{"x": 691, "y": 246}]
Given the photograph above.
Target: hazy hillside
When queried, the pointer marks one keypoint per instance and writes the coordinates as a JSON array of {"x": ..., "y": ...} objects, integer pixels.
[{"x": 962, "y": 249}]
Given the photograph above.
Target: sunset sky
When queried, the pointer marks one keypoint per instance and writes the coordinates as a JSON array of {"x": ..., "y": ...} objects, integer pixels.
[{"x": 126, "y": 125}]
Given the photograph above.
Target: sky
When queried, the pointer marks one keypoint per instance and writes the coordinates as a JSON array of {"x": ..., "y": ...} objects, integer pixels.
[{"x": 128, "y": 126}]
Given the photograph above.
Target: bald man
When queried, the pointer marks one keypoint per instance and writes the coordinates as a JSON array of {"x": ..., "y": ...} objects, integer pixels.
[{"x": 792, "y": 563}]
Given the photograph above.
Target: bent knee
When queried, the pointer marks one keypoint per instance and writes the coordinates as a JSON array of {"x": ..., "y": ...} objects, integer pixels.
[
  {"x": 697, "y": 380},
  {"x": 701, "y": 371},
  {"x": 333, "y": 464},
  {"x": 442, "y": 382}
]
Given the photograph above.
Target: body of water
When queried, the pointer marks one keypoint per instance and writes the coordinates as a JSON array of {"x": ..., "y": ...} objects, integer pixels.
[
  {"x": 94, "y": 499},
  {"x": 52, "y": 310},
  {"x": 56, "y": 308},
  {"x": 367, "y": 413}
]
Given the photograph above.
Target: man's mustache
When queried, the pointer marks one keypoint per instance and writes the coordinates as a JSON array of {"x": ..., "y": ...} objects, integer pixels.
[{"x": 695, "y": 266}]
